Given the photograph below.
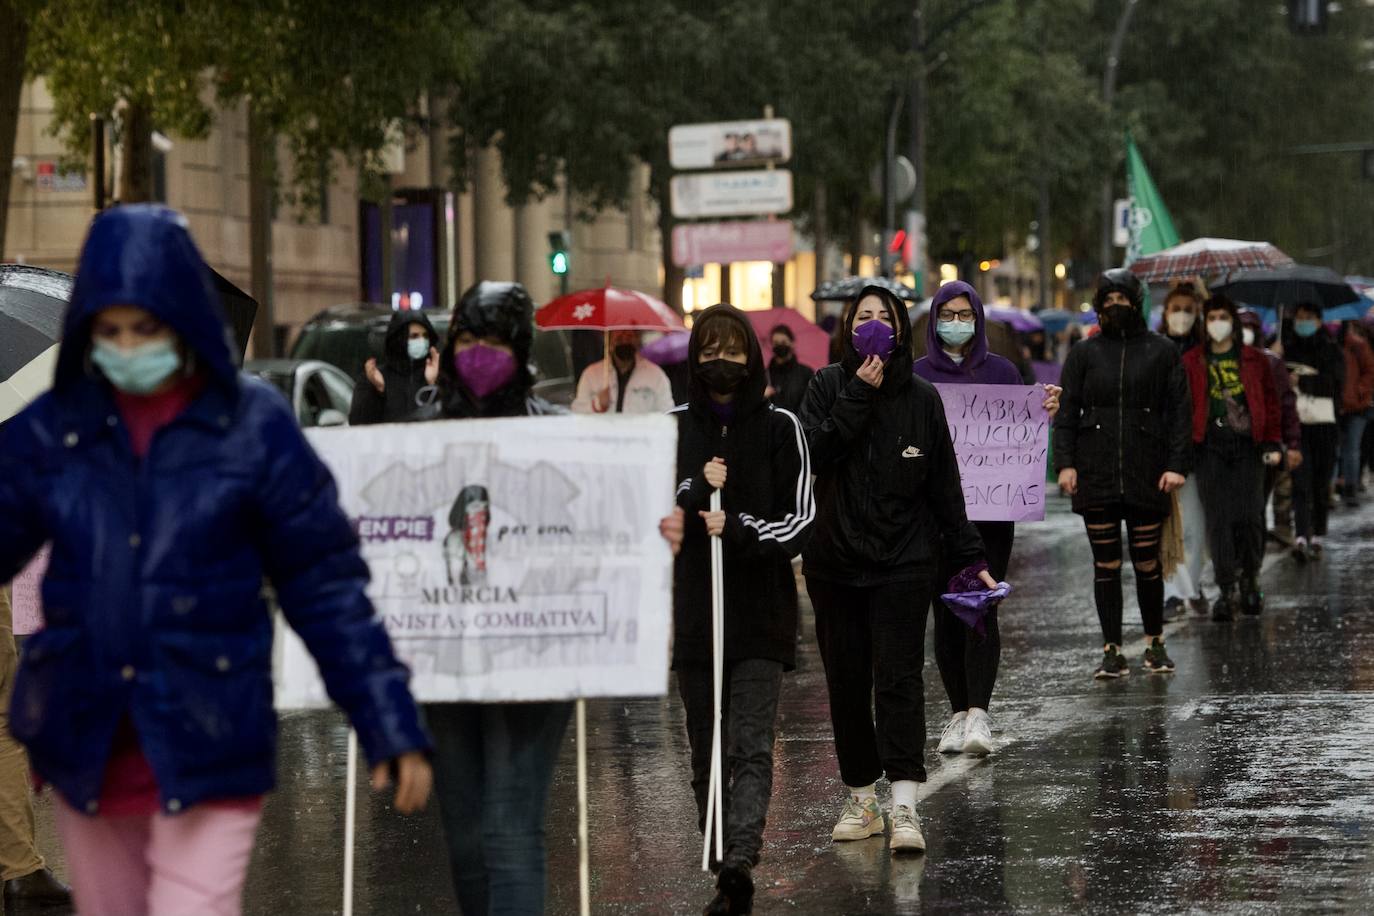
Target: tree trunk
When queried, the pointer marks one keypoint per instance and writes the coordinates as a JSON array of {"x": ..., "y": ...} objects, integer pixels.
[
  {"x": 672, "y": 274},
  {"x": 261, "y": 156},
  {"x": 136, "y": 167},
  {"x": 856, "y": 237},
  {"x": 14, "y": 40},
  {"x": 820, "y": 232}
]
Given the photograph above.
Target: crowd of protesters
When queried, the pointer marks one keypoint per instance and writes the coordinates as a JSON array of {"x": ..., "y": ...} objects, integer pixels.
[{"x": 1179, "y": 437}]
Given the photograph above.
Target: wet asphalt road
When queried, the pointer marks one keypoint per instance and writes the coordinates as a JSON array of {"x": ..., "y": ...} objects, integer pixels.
[{"x": 1244, "y": 783}]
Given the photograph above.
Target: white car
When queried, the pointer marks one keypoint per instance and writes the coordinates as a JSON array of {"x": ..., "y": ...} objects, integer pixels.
[{"x": 319, "y": 392}]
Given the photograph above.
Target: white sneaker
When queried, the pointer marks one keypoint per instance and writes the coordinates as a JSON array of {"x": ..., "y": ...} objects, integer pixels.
[
  {"x": 859, "y": 820},
  {"x": 906, "y": 831},
  {"x": 977, "y": 734},
  {"x": 952, "y": 738}
]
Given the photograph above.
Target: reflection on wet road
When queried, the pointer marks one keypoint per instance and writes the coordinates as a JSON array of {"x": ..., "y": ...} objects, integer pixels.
[{"x": 1243, "y": 783}]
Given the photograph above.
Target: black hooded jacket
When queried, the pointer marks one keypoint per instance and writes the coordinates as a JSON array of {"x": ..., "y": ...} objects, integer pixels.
[
  {"x": 887, "y": 480},
  {"x": 769, "y": 510},
  {"x": 404, "y": 377},
  {"x": 502, "y": 310},
  {"x": 1125, "y": 418}
]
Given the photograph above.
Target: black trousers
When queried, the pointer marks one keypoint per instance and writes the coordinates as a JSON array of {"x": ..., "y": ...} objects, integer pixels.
[
  {"x": 1312, "y": 479},
  {"x": 967, "y": 662},
  {"x": 1104, "y": 535},
  {"x": 872, "y": 641},
  {"x": 1230, "y": 475},
  {"x": 749, "y": 708}
]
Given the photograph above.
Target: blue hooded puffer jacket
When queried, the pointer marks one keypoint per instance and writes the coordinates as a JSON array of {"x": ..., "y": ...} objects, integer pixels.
[{"x": 153, "y": 594}]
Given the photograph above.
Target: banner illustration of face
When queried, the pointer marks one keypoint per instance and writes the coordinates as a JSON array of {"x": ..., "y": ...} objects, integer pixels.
[{"x": 465, "y": 547}]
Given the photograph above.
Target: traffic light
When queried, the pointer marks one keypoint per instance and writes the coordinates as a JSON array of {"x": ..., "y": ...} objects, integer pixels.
[{"x": 559, "y": 260}]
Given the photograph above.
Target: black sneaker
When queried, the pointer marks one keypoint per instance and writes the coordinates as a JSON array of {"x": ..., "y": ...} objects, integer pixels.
[
  {"x": 1174, "y": 608},
  {"x": 1225, "y": 607},
  {"x": 1199, "y": 605},
  {"x": 1251, "y": 598},
  {"x": 734, "y": 893},
  {"x": 1156, "y": 660},
  {"x": 1113, "y": 665}
]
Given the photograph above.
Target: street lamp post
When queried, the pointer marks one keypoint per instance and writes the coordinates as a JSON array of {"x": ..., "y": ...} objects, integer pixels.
[{"x": 1108, "y": 96}]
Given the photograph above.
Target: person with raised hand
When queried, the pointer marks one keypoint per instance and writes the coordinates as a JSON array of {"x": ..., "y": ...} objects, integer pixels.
[{"x": 887, "y": 491}]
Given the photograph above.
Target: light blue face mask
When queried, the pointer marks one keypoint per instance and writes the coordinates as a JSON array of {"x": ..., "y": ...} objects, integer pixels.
[
  {"x": 417, "y": 347},
  {"x": 955, "y": 333},
  {"x": 141, "y": 370},
  {"x": 1305, "y": 327}
]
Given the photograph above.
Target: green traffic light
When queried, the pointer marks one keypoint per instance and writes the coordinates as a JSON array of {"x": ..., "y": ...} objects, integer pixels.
[{"x": 558, "y": 262}]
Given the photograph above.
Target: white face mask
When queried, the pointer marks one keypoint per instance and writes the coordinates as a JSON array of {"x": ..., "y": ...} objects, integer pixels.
[
  {"x": 1248, "y": 335},
  {"x": 1219, "y": 330},
  {"x": 1180, "y": 323}
]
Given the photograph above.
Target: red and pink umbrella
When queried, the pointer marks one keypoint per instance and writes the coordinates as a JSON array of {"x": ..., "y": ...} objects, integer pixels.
[
  {"x": 812, "y": 344},
  {"x": 1207, "y": 257},
  {"x": 609, "y": 308}
]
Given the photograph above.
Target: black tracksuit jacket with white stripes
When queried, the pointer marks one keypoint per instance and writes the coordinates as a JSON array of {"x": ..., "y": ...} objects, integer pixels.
[{"x": 769, "y": 509}]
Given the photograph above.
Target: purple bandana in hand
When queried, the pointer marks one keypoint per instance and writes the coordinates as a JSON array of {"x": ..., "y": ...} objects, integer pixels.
[
  {"x": 873, "y": 338},
  {"x": 970, "y": 600}
]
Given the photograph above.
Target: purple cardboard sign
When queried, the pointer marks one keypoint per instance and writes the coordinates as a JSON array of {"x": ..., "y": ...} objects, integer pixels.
[{"x": 1001, "y": 438}]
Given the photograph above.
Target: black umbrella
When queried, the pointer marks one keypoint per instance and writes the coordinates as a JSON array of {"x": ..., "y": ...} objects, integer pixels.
[
  {"x": 850, "y": 287},
  {"x": 32, "y": 302},
  {"x": 239, "y": 309},
  {"x": 1287, "y": 286}
]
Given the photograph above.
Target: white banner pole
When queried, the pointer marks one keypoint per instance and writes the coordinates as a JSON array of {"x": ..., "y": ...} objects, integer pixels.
[
  {"x": 350, "y": 818},
  {"x": 715, "y": 807},
  {"x": 584, "y": 866}
]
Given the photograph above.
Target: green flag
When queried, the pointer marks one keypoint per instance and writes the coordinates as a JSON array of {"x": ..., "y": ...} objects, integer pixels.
[{"x": 1152, "y": 228}]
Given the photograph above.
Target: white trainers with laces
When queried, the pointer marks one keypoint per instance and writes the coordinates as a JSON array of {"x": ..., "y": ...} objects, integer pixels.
[
  {"x": 906, "y": 831},
  {"x": 952, "y": 738},
  {"x": 859, "y": 820},
  {"x": 977, "y": 733}
]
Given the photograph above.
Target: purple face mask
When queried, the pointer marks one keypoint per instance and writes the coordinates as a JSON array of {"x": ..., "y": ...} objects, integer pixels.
[
  {"x": 873, "y": 338},
  {"x": 484, "y": 369}
]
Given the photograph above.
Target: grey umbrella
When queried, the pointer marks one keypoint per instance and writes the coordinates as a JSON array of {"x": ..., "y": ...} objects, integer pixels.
[
  {"x": 32, "y": 302},
  {"x": 850, "y": 287},
  {"x": 1287, "y": 286}
]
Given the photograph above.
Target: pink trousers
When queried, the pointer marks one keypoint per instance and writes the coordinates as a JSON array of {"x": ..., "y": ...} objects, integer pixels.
[{"x": 190, "y": 864}]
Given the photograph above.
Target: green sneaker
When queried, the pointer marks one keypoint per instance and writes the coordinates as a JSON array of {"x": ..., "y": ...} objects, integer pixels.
[
  {"x": 1156, "y": 660},
  {"x": 1113, "y": 665},
  {"x": 859, "y": 820}
]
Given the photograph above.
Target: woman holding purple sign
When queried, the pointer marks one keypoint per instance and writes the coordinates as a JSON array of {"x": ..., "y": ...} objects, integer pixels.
[
  {"x": 968, "y": 654},
  {"x": 887, "y": 485}
]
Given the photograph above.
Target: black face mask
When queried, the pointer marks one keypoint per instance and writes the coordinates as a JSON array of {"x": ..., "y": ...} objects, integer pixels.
[
  {"x": 782, "y": 351},
  {"x": 1120, "y": 318},
  {"x": 721, "y": 376},
  {"x": 625, "y": 353}
]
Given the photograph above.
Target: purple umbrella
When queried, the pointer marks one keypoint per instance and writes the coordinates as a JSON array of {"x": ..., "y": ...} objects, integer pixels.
[
  {"x": 1021, "y": 321},
  {"x": 668, "y": 350}
]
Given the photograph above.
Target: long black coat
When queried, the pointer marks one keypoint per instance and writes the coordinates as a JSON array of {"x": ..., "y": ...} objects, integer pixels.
[
  {"x": 1125, "y": 418},
  {"x": 790, "y": 381},
  {"x": 887, "y": 480},
  {"x": 769, "y": 510}
]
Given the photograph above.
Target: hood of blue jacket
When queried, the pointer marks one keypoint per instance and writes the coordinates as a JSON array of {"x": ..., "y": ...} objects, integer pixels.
[{"x": 143, "y": 255}]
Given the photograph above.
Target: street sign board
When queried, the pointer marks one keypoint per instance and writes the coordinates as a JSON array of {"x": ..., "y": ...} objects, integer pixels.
[
  {"x": 1121, "y": 223},
  {"x": 726, "y": 243},
  {"x": 761, "y": 192},
  {"x": 730, "y": 143}
]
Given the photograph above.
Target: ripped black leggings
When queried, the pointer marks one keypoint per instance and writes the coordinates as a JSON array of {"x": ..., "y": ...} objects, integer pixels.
[{"x": 1104, "y": 534}]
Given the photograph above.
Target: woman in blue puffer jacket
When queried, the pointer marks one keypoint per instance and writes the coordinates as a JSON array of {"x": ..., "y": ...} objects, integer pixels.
[{"x": 169, "y": 486}]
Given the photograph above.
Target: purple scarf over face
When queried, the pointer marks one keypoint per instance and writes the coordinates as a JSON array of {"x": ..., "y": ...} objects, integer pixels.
[
  {"x": 874, "y": 338},
  {"x": 484, "y": 369}
]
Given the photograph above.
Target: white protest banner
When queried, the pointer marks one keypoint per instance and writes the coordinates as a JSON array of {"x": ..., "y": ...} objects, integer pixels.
[
  {"x": 513, "y": 559},
  {"x": 1001, "y": 438}
]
